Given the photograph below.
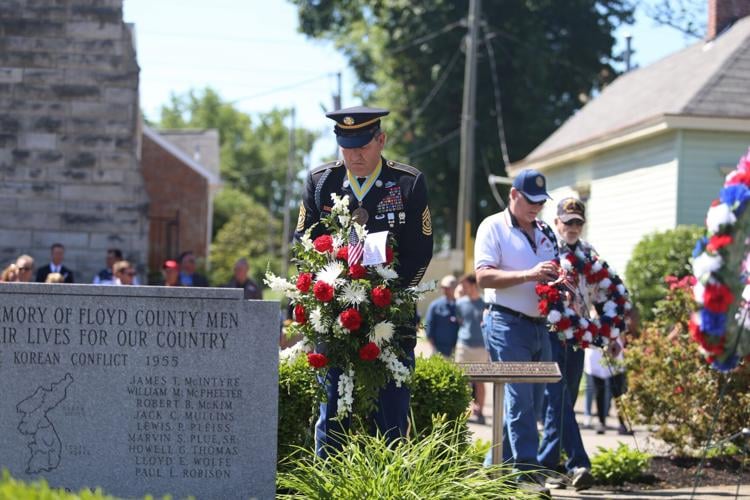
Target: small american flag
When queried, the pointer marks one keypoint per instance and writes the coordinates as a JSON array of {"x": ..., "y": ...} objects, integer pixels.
[{"x": 356, "y": 248}]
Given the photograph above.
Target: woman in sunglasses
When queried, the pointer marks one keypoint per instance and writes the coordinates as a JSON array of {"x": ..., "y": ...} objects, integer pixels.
[{"x": 124, "y": 273}]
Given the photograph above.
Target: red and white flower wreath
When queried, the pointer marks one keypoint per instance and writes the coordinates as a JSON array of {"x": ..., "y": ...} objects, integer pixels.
[{"x": 610, "y": 300}]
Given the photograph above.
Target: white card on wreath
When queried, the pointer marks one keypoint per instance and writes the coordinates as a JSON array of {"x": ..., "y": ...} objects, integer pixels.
[{"x": 374, "y": 251}]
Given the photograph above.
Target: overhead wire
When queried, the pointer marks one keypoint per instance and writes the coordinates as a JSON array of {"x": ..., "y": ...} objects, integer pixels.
[
  {"x": 498, "y": 103},
  {"x": 427, "y": 38},
  {"x": 426, "y": 149}
]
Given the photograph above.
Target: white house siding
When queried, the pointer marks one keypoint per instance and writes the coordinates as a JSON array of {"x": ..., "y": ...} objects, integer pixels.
[
  {"x": 633, "y": 192},
  {"x": 703, "y": 155}
]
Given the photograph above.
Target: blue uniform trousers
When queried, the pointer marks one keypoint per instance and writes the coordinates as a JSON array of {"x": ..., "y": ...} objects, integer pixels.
[{"x": 390, "y": 417}]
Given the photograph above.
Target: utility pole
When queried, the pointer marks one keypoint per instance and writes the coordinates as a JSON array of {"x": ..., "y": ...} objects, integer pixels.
[
  {"x": 466, "y": 173},
  {"x": 628, "y": 51},
  {"x": 287, "y": 198}
]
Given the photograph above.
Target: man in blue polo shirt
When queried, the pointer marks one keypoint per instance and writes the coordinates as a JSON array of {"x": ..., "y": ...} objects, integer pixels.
[{"x": 514, "y": 250}]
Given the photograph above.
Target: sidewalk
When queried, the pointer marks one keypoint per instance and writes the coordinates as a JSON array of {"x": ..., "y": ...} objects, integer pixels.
[{"x": 641, "y": 440}]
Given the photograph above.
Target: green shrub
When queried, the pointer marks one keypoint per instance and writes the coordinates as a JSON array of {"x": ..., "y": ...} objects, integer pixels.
[
  {"x": 438, "y": 387},
  {"x": 671, "y": 387},
  {"x": 615, "y": 466},
  {"x": 658, "y": 255},
  {"x": 435, "y": 466},
  {"x": 297, "y": 389},
  {"x": 14, "y": 489}
]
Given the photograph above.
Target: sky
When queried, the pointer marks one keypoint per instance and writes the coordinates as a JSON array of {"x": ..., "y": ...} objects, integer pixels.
[{"x": 251, "y": 53}]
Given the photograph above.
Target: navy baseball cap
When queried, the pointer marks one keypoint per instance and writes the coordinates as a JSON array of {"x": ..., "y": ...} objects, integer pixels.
[
  {"x": 355, "y": 127},
  {"x": 532, "y": 184}
]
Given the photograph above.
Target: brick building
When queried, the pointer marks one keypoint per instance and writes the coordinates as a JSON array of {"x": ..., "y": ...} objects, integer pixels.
[
  {"x": 181, "y": 177},
  {"x": 69, "y": 134}
]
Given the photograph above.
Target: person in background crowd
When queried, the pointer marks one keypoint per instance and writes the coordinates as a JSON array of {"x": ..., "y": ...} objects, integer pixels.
[
  {"x": 561, "y": 430},
  {"x": 54, "y": 278},
  {"x": 188, "y": 276},
  {"x": 106, "y": 276},
  {"x": 470, "y": 346},
  {"x": 124, "y": 274},
  {"x": 57, "y": 252},
  {"x": 171, "y": 272},
  {"x": 514, "y": 251},
  {"x": 25, "y": 264},
  {"x": 459, "y": 292},
  {"x": 441, "y": 324},
  {"x": 241, "y": 280},
  {"x": 10, "y": 274}
]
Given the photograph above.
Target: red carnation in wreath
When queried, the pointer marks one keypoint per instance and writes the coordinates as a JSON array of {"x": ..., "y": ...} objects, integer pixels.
[
  {"x": 350, "y": 319},
  {"x": 357, "y": 271},
  {"x": 369, "y": 352},
  {"x": 718, "y": 241},
  {"x": 381, "y": 296},
  {"x": 717, "y": 298},
  {"x": 317, "y": 360},
  {"x": 343, "y": 253},
  {"x": 304, "y": 280},
  {"x": 323, "y": 243},
  {"x": 323, "y": 291},
  {"x": 299, "y": 314}
]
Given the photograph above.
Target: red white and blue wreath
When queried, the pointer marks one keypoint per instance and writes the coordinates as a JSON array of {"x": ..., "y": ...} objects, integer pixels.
[
  {"x": 610, "y": 300},
  {"x": 721, "y": 266}
]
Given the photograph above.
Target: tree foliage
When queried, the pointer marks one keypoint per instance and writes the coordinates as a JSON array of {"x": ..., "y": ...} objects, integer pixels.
[
  {"x": 686, "y": 16},
  {"x": 251, "y": 233},
  {"x": 655, "y": 257},
  {"x": 408, "y": 56},
  {"x": 254, "y": 150}
]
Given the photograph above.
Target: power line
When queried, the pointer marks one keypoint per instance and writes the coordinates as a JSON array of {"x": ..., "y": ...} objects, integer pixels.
[
  {"x": 447, "y": 137},
  {"x": 281, "y": 89},
  {"x": 223, "y": 38},
  {"x": 429, "y": 37},
  {"x": 498, "y": 103},
  {"x": 157, "y": 64},
  {"x": 435, "y": 89}
]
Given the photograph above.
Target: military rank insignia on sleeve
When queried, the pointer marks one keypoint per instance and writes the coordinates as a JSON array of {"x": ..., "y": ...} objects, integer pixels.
[
  {"x": 426, "y": 222},
  {"x": 301, "y": 218}
]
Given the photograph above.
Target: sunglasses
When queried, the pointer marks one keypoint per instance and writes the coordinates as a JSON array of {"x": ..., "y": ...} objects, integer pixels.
[
  {"x": 536, "y": 203},
  {"x": 24, "y": 269},
  {"x": 574, "y": 222}
]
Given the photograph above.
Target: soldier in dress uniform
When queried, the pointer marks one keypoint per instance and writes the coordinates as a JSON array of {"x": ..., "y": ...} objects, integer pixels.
[{"x": 384, "y": 195}]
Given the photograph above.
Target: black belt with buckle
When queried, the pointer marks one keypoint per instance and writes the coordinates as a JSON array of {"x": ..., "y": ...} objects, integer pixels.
[{"x": 534, "y": 319}]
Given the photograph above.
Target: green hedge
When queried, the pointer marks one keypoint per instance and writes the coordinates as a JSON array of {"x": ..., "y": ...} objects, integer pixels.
[
  {"x": 438, "y": 387},
  {"x": 656, "y": 256}
]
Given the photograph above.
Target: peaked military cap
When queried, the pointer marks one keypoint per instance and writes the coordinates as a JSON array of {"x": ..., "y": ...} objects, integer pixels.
[{"x": 356, "y": 126}]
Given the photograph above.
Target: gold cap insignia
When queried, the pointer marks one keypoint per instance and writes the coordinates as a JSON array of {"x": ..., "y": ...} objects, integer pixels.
[
  {"x": 540, "y": 181},
  {"x": 348, "y": 120}
]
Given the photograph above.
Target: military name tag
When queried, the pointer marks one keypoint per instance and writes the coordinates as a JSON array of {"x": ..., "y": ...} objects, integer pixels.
[{"x": 360, "y": 216}]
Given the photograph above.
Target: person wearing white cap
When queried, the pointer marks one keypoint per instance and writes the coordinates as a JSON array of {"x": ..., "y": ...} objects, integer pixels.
[{"x": 441, "y": 325}]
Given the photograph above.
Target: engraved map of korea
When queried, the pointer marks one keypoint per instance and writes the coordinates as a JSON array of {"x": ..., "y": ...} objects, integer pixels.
[{"x": 44, "y": 443}]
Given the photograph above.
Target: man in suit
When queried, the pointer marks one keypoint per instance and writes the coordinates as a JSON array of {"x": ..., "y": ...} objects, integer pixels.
[
  {"x": 384, "y": 196},
  {"x": 57, "y": 252}
]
